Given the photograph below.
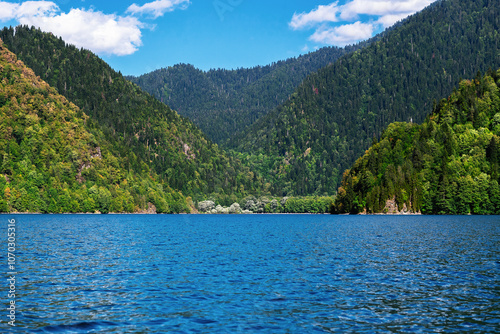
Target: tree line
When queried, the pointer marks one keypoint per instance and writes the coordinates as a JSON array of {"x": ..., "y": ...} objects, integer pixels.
[
  {"x": 447, "y": 165},
  {"x": 337, "y": 112}
]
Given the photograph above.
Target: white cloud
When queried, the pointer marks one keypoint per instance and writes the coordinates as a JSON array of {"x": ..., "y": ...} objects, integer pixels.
[
  {"x": 109, "y": 34},
  {"x": 319, "y": 15},
  {"x": 352, "y": 9},
  {"x": 10, "y": 11},
  {"x": 343, "y": 35},
  {"x": 7, "y": 10},
  {"x": 36, "y": 8},
  {"x": 388, "y": 20},
  {"x": 101, "y": 33},
  {"x": 158, "y": 8},
  {"x": 380, "y": 13}
]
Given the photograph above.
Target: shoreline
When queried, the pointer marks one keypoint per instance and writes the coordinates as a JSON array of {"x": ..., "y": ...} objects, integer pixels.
[{"x": 166, "y": 214}]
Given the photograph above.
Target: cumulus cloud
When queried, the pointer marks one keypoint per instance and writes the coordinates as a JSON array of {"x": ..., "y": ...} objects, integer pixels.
[
  {"x": 319, "y": 15},
  {"x": 389, "y": 11},
  {"x": 159, "y": 7},
  {"x": 101, "y": 33},
  {"x": 9, "y": 11},
  {"x": 378, "y": 13},
  {"x": 388, "y": 20},
  {"x": 382, "y": 7},
  {"x": 109, "y": 34},
  {"x": 36, "y": 8},
  {"x": 344, "y": 34}
]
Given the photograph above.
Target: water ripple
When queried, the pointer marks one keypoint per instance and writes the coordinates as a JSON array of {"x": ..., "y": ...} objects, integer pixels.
[{"x": 266, "y": 274}]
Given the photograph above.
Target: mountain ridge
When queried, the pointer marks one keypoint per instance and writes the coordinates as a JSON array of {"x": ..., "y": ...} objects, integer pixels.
[
  {"x": 447, "y": 165},
  {"x": 130, "y": 118},
  {"x": 224, "y": 102},
  {"x": 335, "y": 114},
  {"x": 51, "y": 163}
]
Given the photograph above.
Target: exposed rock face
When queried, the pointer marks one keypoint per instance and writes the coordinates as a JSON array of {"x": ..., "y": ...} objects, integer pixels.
[
  {"x": 188, "y": 153},
  {"x": 151, "y": 210},
  {"x": 391, "y": 207},
  {"x": 96, "y": 154}
]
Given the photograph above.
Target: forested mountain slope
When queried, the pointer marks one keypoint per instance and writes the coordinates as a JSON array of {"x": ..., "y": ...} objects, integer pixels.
[
  {"x": 447, "y": 165},
  {"x": 335, "y": 114},
  {"x": 50, "y": 162},
  {"x": 225, "y": 102},
  {"x": 132, "y": 120}
]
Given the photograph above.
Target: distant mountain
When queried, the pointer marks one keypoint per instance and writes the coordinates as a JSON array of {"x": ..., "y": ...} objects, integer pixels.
[
  {"x": 337, "y": 112},
  {"x": 225, "y": 102},
  {"x": 133, "y": 121},
  {"x": 447, "y": 165},
  {"x": 51, "y": 163}
]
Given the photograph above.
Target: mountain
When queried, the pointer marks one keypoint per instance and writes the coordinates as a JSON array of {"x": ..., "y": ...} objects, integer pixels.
[
  {"x": 132, "y": 120},
  {"x": 225, "y": 102},
  {"x": 337, "y": 112},
  {"x": 447, "y": 165},
  {"x": 50, "y": 162}
]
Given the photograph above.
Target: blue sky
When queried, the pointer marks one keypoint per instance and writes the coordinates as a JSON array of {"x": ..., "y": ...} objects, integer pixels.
[{"x": 136, "y": 36}]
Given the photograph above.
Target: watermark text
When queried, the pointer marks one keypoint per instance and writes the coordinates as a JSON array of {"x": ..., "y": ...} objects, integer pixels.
[
  {"x": 224, "y": 6},
  {"x": 11, "y": 272}
]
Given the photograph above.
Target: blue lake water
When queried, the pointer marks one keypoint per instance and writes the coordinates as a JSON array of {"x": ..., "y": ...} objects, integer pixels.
[{"x": 254, "y": 274}]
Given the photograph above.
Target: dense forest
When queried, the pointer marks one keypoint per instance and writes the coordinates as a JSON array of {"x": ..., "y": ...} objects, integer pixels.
[
  {"x": 225, "y": 102},
  {"x": 54, "y": 158},
  {"x": 50, "y": 163},
  {"x": 106, "y": 145},
  {"x": 138, "y": 127},
  {"x": 447, "y": 165},
  {"x": 335, "y": 115}
]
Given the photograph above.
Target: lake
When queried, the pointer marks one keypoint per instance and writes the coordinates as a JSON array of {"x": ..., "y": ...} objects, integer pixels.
[{"x": 254, "y": 274}]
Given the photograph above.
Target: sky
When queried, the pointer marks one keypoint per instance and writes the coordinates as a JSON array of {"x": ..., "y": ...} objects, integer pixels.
[{"x": 136, "y": 37}]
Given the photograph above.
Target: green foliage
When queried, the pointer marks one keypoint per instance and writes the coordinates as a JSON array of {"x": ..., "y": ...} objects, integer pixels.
[
  {"x": 223, "y": 103},
  {"x": 133, "y": 152},
  {"x": 141, "y": 130},
  {"x": 447, "y": 165},
  {"x": 333, "y": 116},
  {"x": 51, "y": 163},
  {"x": 308, "y": 204}
]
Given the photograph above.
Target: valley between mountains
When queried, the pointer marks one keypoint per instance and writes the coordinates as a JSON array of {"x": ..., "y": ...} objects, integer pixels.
[{"x": 408, "y": 121}]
